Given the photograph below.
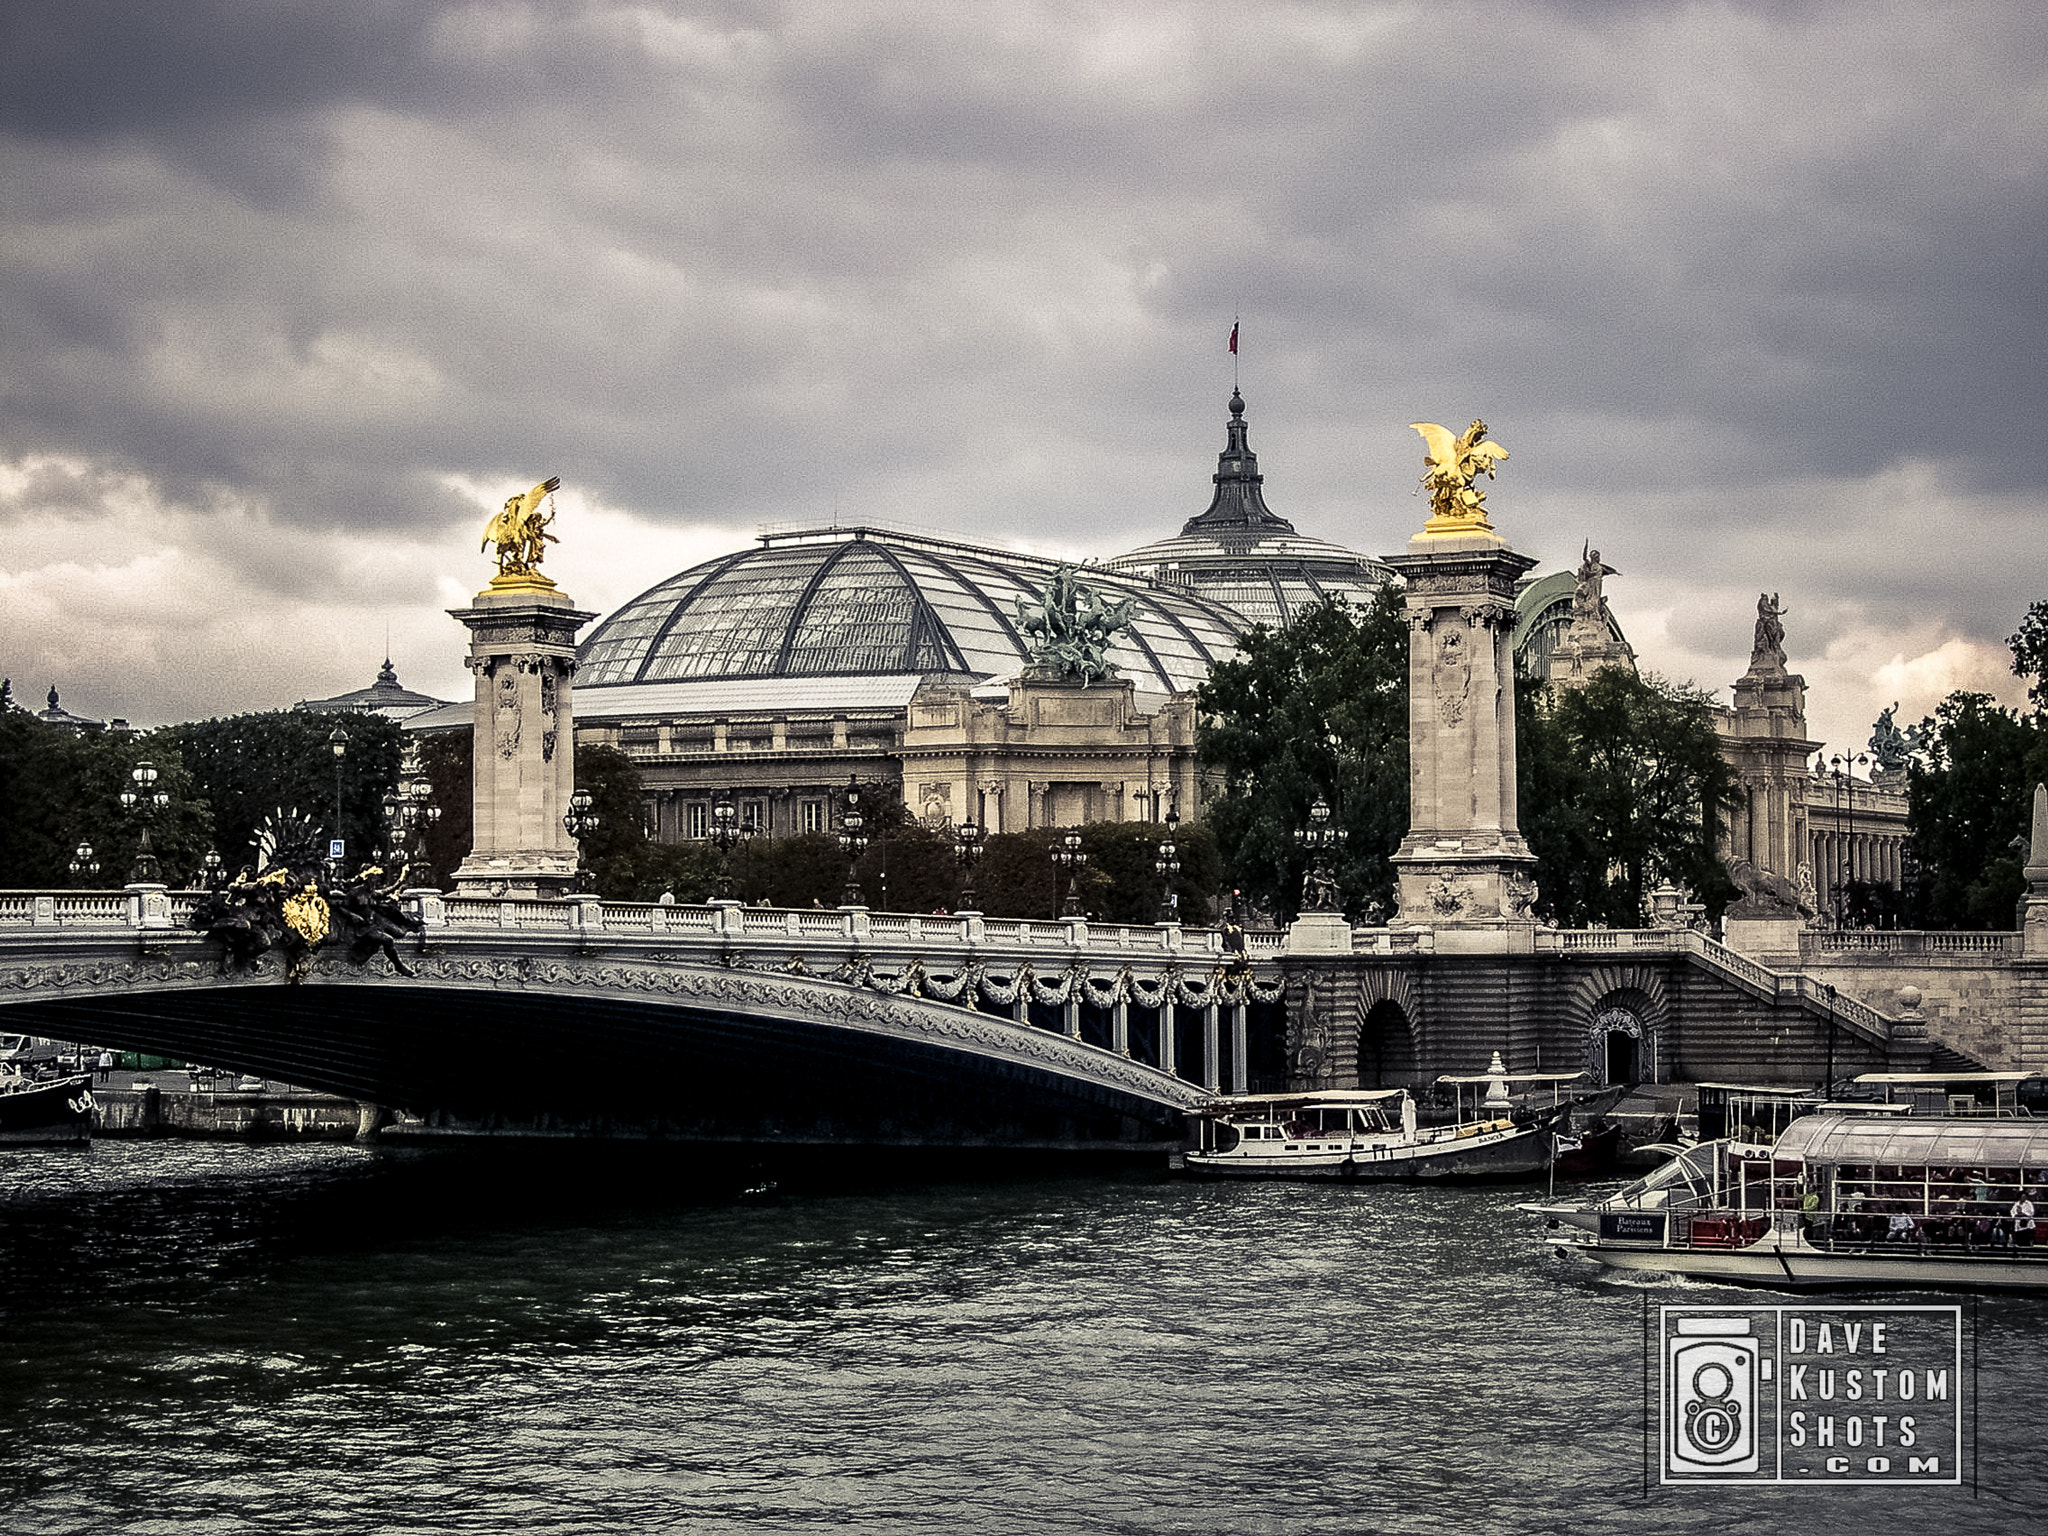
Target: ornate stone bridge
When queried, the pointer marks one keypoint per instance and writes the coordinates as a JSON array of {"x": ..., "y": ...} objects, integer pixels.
[
  {"x": 724, "y": 1023},
  {"x": 700, "y": 1023}
]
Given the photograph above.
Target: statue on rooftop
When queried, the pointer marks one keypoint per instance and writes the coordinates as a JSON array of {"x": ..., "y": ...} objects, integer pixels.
[
  {"x": 1892, "y": 748},
  {"x": 1768, "y": 653},
  {"x": 1071, "y": 630},
  {"x": 520, "y": 530},
  {"x": 1452, "y": 464},
  {"x": 1589, "y": 605}
]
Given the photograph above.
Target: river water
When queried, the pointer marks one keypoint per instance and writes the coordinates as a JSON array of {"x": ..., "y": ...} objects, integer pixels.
[{"x": 212, "y": 1337}]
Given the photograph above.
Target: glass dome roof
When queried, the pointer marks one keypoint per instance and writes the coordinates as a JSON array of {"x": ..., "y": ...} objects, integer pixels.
[{"x": 845, "y": 602}]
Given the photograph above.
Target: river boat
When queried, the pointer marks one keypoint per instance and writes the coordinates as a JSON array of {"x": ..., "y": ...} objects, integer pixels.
[
  {"x": 47, "y": 1113},
  {"x": 1845, "y": 1196},
  {"x": 1375, "y": 1134}
]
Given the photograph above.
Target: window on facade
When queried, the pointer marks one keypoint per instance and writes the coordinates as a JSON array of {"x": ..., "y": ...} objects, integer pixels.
[
  {"x": 812, "y": 813},
  {"x": 754, "y": 813},
  {"x": 696, "y": 819}
]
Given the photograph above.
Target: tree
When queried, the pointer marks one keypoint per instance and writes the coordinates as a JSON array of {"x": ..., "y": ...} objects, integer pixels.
[
  {"x": 60, "y": 787},
  {"x": 2030, "y": 653},
  {"x": 249, "y": 767},
  {"x": 1317, "y": 710},
  {"x": 1972, "y": 795},
  {"x": 1621, "y": 784}
]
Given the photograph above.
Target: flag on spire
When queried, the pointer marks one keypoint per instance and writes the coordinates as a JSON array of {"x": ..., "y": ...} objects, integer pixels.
[{"x": 1233, "y": 338}]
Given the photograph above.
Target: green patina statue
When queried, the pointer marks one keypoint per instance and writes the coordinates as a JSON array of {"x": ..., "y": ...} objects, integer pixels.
[{"x": 1071, "y": 631}]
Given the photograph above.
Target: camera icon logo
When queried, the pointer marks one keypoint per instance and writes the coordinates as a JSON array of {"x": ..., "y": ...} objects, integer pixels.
[{"x": 1712, "y": 1377}]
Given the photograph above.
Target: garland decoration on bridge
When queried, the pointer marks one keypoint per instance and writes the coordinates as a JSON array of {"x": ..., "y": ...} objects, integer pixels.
[{"x": 294, "y": 906}]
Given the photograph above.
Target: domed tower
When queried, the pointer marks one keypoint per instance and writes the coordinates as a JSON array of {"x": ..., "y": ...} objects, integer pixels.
[{"x": 1241, "y": 553}]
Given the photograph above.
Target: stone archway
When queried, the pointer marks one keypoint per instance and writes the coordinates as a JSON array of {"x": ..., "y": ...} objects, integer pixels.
[
  {"x": 1386, "y": 1047},
  {"x": 1623, "y": 1023},
  {"x": 1618, "y": 1048},
  {"x": 1386, "y": 1054}
]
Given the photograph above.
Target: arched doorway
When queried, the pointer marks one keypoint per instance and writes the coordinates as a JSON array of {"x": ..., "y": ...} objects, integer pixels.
[
  {"x": 1386, "y": 1047},
  {"x": 1618, "y": 1048}
]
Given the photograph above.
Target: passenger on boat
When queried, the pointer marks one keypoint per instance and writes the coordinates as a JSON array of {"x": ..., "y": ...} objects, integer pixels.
[
  {"x": 2023, "y": 1220},
  {"x": 1900, "y": 1228}
]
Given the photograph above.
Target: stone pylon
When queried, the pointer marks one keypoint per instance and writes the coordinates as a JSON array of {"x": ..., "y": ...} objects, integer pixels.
[
  {"x": 1464, "y": 868},
  {"x": 522, "y": 650}
]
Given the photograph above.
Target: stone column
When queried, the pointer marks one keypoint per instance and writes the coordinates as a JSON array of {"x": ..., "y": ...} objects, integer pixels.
[
  {"x": 1212, "y": 1047},
  {"x": 1166, "y": 1040},
  {"x": 1464, "y": 868},
  {"x": 522, "y": 650}
]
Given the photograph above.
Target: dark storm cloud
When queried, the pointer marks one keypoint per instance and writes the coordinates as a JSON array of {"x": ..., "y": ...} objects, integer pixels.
[{"x": 1722, "y": 276}]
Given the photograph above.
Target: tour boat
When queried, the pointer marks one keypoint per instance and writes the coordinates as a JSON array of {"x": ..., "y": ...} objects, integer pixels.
[
  {"x": 45, "y": 1113},
  {"x": 1374, "y": 1133},
  {"x": 1845, "y": 1196}
]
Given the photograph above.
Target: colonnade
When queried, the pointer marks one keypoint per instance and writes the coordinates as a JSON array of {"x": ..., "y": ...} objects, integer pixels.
[{"x": 1214, "y": 1063}]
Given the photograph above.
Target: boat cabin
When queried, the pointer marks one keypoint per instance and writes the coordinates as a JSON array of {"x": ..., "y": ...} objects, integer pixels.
[
  {"x": 1305, "y": 1117},
  {"x": 1954, "y": 1094}
]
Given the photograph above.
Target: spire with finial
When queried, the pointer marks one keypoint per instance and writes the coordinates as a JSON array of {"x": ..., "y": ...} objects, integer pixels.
[{"x": 1239, "y": 506}]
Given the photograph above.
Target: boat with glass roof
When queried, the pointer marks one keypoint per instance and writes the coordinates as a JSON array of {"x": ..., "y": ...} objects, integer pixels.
[{"x": 1847, "y": 1195}]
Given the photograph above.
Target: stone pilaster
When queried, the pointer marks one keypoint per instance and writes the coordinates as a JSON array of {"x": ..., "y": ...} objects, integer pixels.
[
  {"x": 522, "y": 650},
  {"x": 1464, "y": 868}
]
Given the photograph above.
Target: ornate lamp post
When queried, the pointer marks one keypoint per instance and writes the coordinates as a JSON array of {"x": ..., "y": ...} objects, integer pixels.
[
  {"x": 1843, "y": 771},
  {"x": 144, "y": 800},
  {"x": 338, "y": 745},
  {"x": 967, "y": 848},
  {"x": 581, "y": 822},
  {"x": 1067, "y": 855},
  {"x": 1167, "y": 865},
  {"x": 1319, "y": 839},
  {"x": 212, "y": 870},
  {"x": 726, "y": 834},
  {"x": 408, "y": 812},
  {"x": 84, "y": 867},
  {"x": 853, "y": 841}
]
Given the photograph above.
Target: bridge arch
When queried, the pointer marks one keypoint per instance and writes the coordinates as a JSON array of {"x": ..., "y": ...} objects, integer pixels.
[
  {"x": 1623, "y": 1017},
  {"x": 619, "y": 1043}
]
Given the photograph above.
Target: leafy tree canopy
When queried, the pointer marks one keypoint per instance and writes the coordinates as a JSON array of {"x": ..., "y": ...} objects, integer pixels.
[
  {"x": 1972, "y": 795},
  {"x": 59, "y": 788},
  {"x": 1317, "y": 710},
  {"x": 1621, "y": 784},
  {"x": 248, "y": 767}
]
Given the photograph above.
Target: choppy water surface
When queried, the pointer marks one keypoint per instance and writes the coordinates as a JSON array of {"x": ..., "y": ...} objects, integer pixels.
[{"x": 217, "y": 1338}]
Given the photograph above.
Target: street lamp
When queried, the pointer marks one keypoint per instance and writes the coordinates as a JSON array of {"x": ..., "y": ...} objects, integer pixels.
[
  {"x": 144, "y": 800},
  {"x": 853, "y": 841},
  {"x": 337, "y": 743},
  {"x": 211, "y": 869},
  {"x": 1319, "y": 839},
  {"x": 1067, "y": 855},
  {"x": 1167, "y": 866},
  {"x": 84, "y": 867},
  {"x": 726, "y": 832},
  {"x": 580, "y": 822},
  {"x": 1843, "y": 771},
  {"x": 408, "y": 812},
  {"x": 967, "y": 848}
]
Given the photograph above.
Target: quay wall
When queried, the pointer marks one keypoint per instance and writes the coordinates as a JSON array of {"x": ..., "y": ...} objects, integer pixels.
[{"x": 159, "y": 1111}]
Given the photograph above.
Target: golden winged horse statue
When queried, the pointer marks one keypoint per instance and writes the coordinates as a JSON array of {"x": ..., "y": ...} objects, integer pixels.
[
  {"x": 1453, "y": 463},
  {"x": 521, "y": 531}
]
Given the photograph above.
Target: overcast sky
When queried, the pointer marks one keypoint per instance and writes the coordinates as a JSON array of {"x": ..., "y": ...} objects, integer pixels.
[{"x": 291, "y": 296}]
